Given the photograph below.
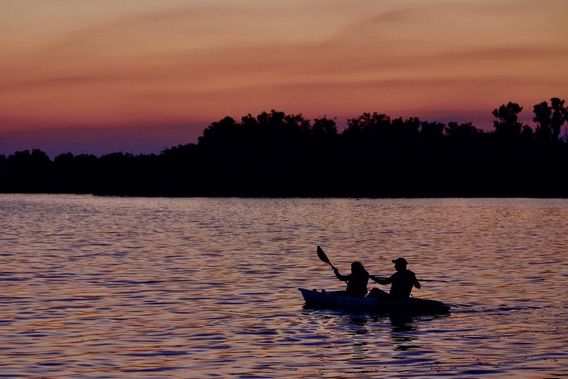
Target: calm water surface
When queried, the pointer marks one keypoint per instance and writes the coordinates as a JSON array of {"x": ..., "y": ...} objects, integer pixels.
[{"x": 113, "y": 287}]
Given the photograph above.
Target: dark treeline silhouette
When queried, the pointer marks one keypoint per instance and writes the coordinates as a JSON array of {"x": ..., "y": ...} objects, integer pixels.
[{"x": 278, "y": 154}]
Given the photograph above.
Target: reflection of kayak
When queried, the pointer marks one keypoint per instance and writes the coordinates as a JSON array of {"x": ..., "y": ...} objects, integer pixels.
[{"x": 383, "y": 304}]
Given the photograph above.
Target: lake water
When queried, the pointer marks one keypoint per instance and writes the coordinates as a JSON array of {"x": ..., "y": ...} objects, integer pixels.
[{"x": 195, "y": 288}]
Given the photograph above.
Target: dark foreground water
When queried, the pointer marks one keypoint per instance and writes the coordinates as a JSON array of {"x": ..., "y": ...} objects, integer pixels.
[{"x": 114, "y": 287}]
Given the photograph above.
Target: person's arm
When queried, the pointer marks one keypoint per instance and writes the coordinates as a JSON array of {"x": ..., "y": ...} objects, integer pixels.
[
  {"x": 381, "y": 280},
  {"x": 416, "y": 282},
  {"x": 341, "y": 277}
]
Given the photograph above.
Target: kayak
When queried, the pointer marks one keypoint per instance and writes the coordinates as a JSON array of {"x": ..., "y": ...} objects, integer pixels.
[{"x": 383, "y": 304}]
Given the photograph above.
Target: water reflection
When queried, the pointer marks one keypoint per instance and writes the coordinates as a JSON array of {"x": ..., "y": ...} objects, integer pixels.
[
  {"x": 403, "y": 332},
  {"x": 366, "y": 329}
]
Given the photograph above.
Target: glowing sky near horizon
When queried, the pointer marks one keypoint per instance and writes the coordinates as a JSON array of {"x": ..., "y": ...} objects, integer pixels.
[{"x": 141, "y": 75}]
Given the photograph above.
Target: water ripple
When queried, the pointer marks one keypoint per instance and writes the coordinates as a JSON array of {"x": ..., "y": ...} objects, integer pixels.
[{"x": 148, "y": 288}]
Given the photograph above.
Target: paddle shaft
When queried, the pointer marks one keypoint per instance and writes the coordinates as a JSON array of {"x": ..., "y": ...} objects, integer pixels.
[
  {"x": 420, "y": 280},
  {"x": 323, "y": 257}
]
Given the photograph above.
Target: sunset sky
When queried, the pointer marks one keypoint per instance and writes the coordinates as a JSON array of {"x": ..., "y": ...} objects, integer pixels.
[{"x": 142, "y": 75}]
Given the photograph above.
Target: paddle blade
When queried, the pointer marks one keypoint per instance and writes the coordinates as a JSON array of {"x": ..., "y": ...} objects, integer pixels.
[{"x": 322, "y": 256}]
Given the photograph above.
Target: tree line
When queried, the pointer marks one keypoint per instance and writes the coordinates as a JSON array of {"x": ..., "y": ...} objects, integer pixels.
[{"x": 282, "y": 155}]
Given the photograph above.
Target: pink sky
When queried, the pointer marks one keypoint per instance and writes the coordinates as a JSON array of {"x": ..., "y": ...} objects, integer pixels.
[{"x": 142, "y": 75}]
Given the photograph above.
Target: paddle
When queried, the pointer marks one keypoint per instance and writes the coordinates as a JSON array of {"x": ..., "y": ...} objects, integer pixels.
[
  {"x": 420, "y": 280},
  {"x": 434, "y": 280},
  {"x": 324, "y": 257}
]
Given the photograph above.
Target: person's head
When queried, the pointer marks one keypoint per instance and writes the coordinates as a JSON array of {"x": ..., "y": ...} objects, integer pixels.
[
  {"x": 400, "y": 264},
  {"x": 357, "y": 267}
]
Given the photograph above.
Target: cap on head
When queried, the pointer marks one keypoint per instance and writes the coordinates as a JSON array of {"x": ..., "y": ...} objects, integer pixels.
[{"x": 400, "y": 261}]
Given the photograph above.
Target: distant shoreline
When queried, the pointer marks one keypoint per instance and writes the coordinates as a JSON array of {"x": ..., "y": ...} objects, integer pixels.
[
  {"x": 456, "y": 197},
  {"x": 278, "y": 155}
]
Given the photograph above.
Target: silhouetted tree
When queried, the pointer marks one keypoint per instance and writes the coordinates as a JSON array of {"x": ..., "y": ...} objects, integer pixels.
[
  {"x": 432, "y": 131},
  {"x": 368, "y": 126},
  {"x": 507, "y": 123},
  {"x": 559, "y": 116},
  {"x": 462, "y": 132},
  {"x": 405, "y": 130},
  {"x": 550, "y": 119},
  {"x": 542, "y": 116},
  {"x": 28, "y": 171},
  {"x": 527, "y": 133},
  {"x": 324, "y": 128},
  {"x": 221, "y": 133}
]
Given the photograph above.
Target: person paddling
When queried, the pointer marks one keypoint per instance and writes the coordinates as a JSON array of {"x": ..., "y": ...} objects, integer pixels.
[
  {"x": 401, "y": 281},
  {"x": 356, "y": 281}
]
